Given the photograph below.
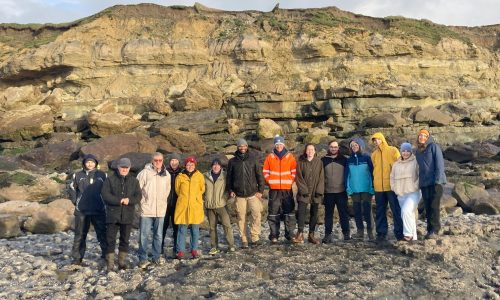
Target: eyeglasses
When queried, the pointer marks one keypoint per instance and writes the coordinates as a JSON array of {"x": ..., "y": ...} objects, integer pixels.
[{"x": 158, "y": 160}]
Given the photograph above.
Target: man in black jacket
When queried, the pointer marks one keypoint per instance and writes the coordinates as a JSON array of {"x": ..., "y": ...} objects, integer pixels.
[
  {"x": 85, "y": 189},
  {"x": 174, "y": 169},
  {"x": 121, "y": 192},
  {"x": 244, "y": 180}
]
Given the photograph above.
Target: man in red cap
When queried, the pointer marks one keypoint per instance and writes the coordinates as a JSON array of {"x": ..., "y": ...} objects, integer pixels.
[{"x": 431, "y": 179}]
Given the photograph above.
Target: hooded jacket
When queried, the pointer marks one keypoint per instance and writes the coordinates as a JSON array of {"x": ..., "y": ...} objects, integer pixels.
[
  {"x": 189, "y": 189},
  {"x": 310, "y": 180},
  {"x": 383, "y": 158},
  {"x": 155, "y": 187},
  {"x": 431, "y": 164},
  {"x": 279, "y": 173},
  {"x": 115, "y": 188},
  {"x": 334, "y": 173},
  {"x": 85, "y": 189},
  {"x": 404, "y": 176},
  {"x": 359, "y": 171},
  {"x": 244, "y": 175},
  {"x": 215, "y": 192}
]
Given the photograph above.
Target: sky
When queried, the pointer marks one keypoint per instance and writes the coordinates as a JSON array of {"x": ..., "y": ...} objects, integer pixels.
[{"x": 448, "y": 12}]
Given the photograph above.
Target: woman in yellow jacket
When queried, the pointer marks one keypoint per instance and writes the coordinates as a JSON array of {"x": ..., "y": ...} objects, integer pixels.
[{"x": 189, "y": 186}]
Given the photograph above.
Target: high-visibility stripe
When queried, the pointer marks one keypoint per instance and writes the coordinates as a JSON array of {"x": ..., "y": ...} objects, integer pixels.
[
  {"x": 282, "y": 181},
  {"x": 280, "y": 174}
]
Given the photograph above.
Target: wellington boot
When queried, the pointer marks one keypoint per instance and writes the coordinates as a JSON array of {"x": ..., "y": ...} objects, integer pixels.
[
  {"x": 110, "y": 262},
  {"x": 312, "y": 239},
  {"x": 122, "y": 260}
]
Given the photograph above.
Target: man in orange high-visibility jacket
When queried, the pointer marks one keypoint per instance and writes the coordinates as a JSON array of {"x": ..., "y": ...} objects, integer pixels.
[{"x": 279, "y": 173}]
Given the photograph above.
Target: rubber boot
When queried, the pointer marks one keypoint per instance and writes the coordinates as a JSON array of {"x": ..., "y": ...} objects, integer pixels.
[
  {"x": 122, "y": 260},
  {"x": 110, "y": 262}
]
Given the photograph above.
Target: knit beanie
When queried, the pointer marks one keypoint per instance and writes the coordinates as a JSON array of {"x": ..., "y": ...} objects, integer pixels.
[{"x": 405, "y": 147}]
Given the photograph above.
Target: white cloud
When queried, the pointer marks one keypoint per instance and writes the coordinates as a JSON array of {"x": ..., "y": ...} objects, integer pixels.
[{"x": 10, "y": 9}]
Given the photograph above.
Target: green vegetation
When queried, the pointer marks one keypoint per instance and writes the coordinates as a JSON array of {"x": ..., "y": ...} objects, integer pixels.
[
  {"x": 58, "y": 180},
  {"x": 277, "y": 24},
  {"x": 327, "y": 19},
  {"x": 424, "y": 29},
  {"x": 353, "y": 31},
  {"x": 19, "y": 178},
  {"x": 14, "y": 151},
  {"x": 231, "y": 28}
]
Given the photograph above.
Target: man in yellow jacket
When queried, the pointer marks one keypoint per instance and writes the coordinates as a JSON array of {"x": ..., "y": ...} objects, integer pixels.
[
  {"x": 383, "y": 157},
  {"x": 279, "y": 172}
]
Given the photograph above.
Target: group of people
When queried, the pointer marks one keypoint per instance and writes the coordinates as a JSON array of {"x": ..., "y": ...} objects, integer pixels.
[{"x": 168, "y": 195}]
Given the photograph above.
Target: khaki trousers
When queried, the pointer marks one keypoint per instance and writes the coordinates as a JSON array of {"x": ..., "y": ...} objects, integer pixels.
[{"x": 255, "y": 206}]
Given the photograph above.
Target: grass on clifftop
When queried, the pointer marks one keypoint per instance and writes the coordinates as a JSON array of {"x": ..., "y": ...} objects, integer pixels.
[
  {"x": 19, "y": 178},
  {"x": 424, "y": 29}
]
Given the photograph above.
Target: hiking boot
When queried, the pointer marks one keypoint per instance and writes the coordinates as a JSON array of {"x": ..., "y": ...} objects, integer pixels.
[
  {"x": 122, "y": 260},
  {"x": 244, "y": 245},
  {"x": 370, "y": 235},
  {"x": 213, "y": 251},
  {"x": 180, "y": 255},
  {"x": 311, "y": 239},
  {"x": 231, "y": 249},
  {"x": 257, "y": 243},
  {"x": 381, "y": 238},
  {"x": 159, "y": 262},
  {"x": 430, "y": 236},
  {"x": 143, "y": 264},
  {"x": 298, "y": 238},
  {"x": 195, "y": 254},
  {"x": 274, "y": 241},
  {"x": 110, "y": 262},
  {"x": 359, "y": 235},
  {"x": 327, "y": 239},
  {"x": 347, "y": 237},
  {"x": 76, "y": 261}
]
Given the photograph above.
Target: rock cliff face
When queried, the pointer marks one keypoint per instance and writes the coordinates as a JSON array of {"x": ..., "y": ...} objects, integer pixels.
[{"x": 347, "y": 73}]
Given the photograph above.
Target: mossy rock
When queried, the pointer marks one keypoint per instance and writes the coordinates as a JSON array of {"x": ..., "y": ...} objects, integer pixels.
[{"x": 19, "y": 178}]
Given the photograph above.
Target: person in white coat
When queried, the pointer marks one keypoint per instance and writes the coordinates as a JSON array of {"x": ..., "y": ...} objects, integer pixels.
[{"x": 404, "y": 182}]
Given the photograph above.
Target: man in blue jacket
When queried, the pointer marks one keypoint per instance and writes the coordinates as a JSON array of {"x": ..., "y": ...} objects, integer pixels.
[
  {"x": 431, "y": 179},
  {"x": 85, "y": 189}
]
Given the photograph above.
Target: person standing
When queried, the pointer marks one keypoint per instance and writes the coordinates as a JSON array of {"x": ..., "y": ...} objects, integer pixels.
[
  {"x": 244, "y": 181},
  {"x": 431, "y": 179},
  {"x": 215, "y": 203},
  {"x": 85, "y": 191},
  {"x": 404, "y": 182},
  {"x": 121, "y": 192},
  {"x": 189, "y": 186},
  {"x": 310, "y": 183},
  {"x": 359, "y": 186},
  {"x": 334, "y": 164},
  {"x": 155, "y": 185},
  {"x": 279, "y": 172},
  {"x": 383, "y": 158},
  {"x": 173, "y": 169}
]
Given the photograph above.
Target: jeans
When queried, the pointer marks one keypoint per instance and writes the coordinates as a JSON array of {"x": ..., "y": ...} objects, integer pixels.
[
  {"x": 147, "y": 225},
  {"x": 409, "y": 203},
  {"x": 381, "y": 200},
  {"x": 432, "y": 201},
  {"x": 82, "y": 226},
  {"x": 362, "y": 204},
  {"x": 313, "y": 216},
  {"x": 339, "y": 199},
  {"x": 181, "y": 237},
  {"x": 281, "y": 204}
]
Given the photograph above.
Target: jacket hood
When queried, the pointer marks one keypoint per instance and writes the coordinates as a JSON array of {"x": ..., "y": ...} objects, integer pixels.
[
  {"x": 87, "y": 157},
  {"x": 429, "y": 141},
  {"x": 208, "y": 174},
  {"x": 361, "y": 144},
  {"x": 380, "y": 136},
  {"x": 150, "y": 167}
]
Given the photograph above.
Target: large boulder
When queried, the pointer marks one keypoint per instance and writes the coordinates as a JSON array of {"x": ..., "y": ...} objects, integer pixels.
[
  {"x": 52, "y": 156},
  {"x": 315, "y": 135},
  {"x": 111, "y": 147},
  {"x": 448, "y": 201},
  {"x": 110, "y": 123},
  {"x": 49, "y": 220},
  {"x": 24, "y": 186},
  {"x": 198, "y": 96},
  {"x": 26, "y": 123},
  {"x": 267, "y": 128},
  {"x": 138, "y": 161},
  {"x": 433, "y": 117},
  {"x": 486, "y": 150},
  {"x": 467, "y": 194},
  {"x": 64, "y": 204},
  {"x": 9, "y": 226},
  {"x": 460, "y": 153},
  {"x": 13, "y": 97},
  {"x": 187, "y": 142},
  {"x": 201, "y": 122},
  {"x": 19, "y": 208},
  {"x": 383, "y": 121},
  {"x": 486, "y": 206}
]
